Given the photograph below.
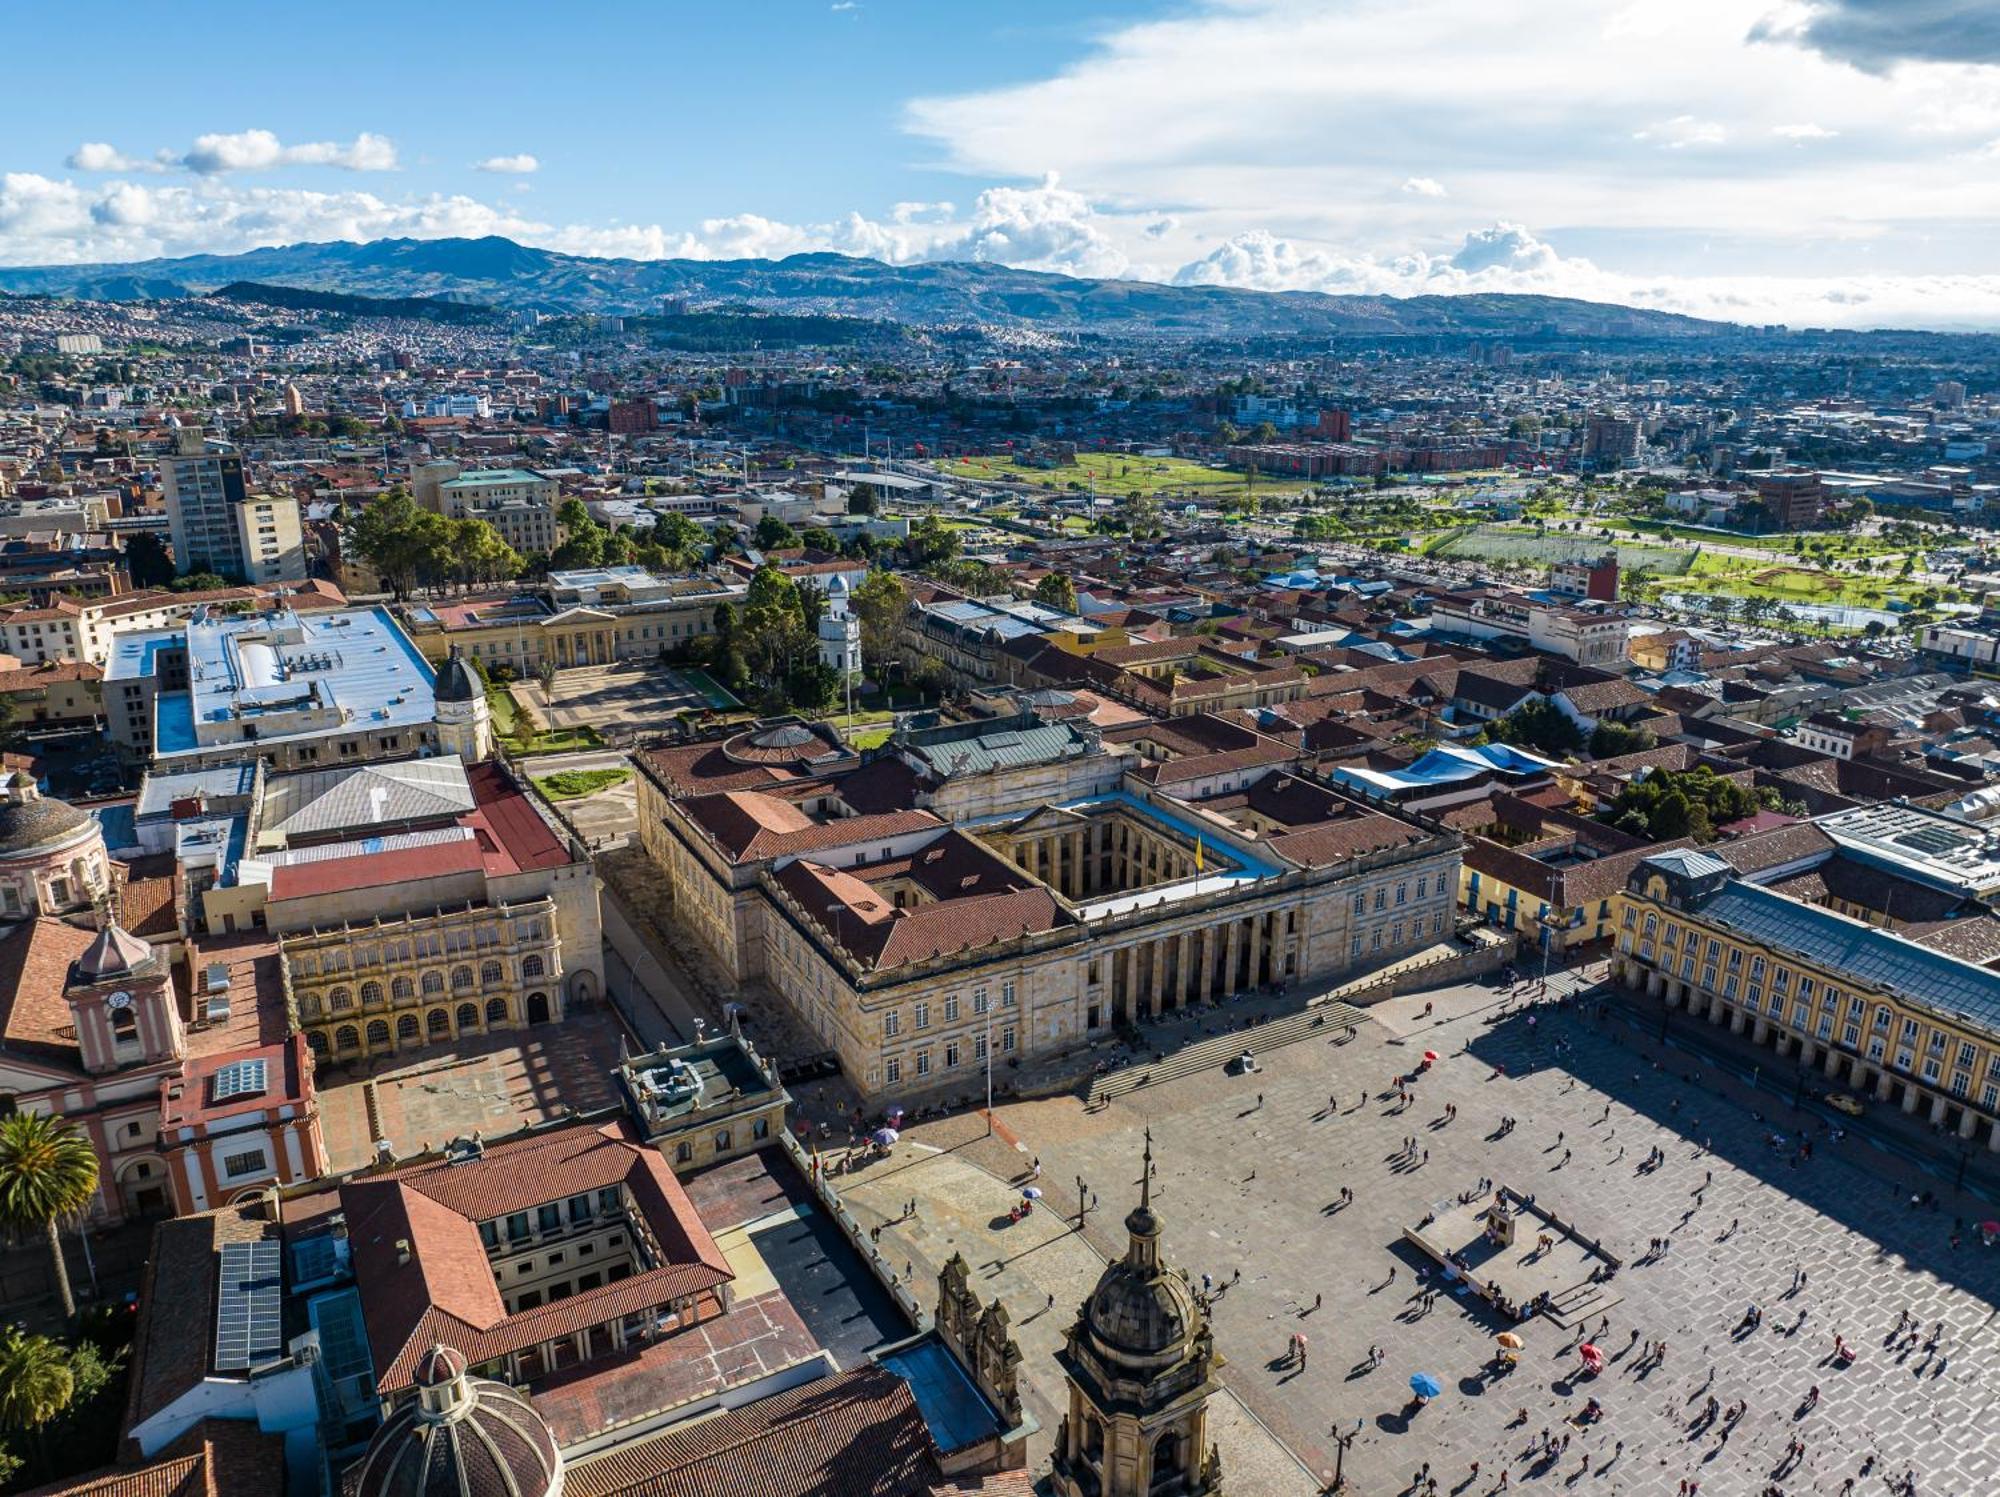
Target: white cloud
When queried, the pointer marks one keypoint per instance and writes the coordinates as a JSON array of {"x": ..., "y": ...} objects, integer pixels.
[
  {"x": 98, "y": 156},
  {"x": 1657, "y": 123},
  {"x": 1424, "y": 187},
  {"x": 512, "y": 166},
  {"x": 1682, "y": 131},
  {"x": 260, "y": 150}
]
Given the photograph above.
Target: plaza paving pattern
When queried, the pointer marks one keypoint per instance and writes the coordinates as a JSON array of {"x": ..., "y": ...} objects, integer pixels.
[{"x": 1248, "y": 1188}]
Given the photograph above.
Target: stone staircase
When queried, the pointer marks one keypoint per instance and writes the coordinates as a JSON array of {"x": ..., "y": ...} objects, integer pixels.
[
  {"x": 1324, "y": 1020},
  {"x": 1580, "y": 1303}
]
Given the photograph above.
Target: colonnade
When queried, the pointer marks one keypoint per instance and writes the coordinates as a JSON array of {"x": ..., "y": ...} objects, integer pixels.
[{"x": 1841, "y": 1068}]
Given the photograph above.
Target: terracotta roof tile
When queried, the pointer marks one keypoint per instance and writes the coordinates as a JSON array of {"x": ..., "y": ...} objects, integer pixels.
[{"x": 857, "y": 1434}]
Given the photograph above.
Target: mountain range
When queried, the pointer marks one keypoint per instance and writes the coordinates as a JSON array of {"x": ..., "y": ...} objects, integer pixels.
[{"x": 498, "y": 272}]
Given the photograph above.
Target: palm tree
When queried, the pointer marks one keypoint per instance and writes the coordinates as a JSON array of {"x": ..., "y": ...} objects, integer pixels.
[
  {"x": 48, "y": 1175},
  {"x": 36, "y": 1383}
]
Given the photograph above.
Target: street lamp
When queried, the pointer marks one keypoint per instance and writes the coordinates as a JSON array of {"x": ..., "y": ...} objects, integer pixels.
[
  {"x": 1082, "y": 1198},
  {"x": 1340, "y": 1443}
]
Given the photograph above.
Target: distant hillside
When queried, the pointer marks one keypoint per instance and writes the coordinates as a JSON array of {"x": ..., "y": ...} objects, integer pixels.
[
  {"x": 425, "y": 308},
  {"x": 500, "y": 273}
]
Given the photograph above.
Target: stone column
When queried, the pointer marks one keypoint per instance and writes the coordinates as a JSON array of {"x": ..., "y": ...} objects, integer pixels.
[
  {"x": 1882, "y": 1086},
  {"x": 1968, "y": 1121},
  {"x": 1207, "y": 941},
  {"x": 1758, "y": 1030},
  {"x": 1911, "y": 1096},
  {"x": 1232, "y": 948},
  {"x": 1806, "y": 1052},
  {"x": 1937, "y": 1109},
  {"x": 1833, "y": 1060},
  {"x": 1714, "y": 1006},
  {"x": 1076, "y": 864}
]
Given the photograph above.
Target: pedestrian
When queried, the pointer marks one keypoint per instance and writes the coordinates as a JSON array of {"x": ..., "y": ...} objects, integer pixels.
[
  {"x": 1051, "y": 1304},
  {"x": 1319, "y": 1299},
  {"x": 1260, "y": 1099}
]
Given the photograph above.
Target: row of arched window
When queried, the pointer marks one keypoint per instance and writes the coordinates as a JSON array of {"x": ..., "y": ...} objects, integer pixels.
[
  {"x": 491, "y": 975},
  {"x": 437, "y": 1024}
]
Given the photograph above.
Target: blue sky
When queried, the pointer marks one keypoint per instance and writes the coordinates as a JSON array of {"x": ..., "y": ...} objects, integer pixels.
[{"x": 1811, "y": 161}]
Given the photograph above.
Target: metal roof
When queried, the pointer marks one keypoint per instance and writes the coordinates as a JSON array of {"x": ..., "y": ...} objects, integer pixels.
[{"x": 1865, "y": 954}]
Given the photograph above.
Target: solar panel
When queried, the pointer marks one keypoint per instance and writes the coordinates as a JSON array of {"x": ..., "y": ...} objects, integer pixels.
[
  {"x": 249, "y": 1319},
  {"x": 241, "y": 1078}
]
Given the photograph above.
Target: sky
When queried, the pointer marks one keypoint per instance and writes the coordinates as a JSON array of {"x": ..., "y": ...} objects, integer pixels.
[{"x": 1813, "y": 162}]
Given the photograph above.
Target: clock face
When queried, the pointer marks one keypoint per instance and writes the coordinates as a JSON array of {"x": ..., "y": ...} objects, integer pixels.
[{"x": 119, "y": 1000}]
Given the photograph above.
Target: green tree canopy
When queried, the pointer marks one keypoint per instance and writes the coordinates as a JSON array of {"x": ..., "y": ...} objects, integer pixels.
[
  {"x": 1687, "y": 803},
  {"x": 1541, "y": 726},
  {"x": 48, "y": 1174},
  {"x": 880, "y": 603},
  {"x": 1056, "y": 591},
  {"x": 773, "y": 624},
  {"x": 774, "y": 534},
  {"x": 931, "y": 541}
]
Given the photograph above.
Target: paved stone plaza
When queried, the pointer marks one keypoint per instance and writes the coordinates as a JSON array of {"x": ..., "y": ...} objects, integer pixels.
[{"x": 1249, "y": 1189}]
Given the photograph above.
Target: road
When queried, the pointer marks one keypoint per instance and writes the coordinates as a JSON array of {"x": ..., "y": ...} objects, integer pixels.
[{"x": 647, "y": 991}]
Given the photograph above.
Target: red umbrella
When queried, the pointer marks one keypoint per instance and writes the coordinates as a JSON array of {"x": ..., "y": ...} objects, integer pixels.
[
  {"x": 1430, "y": 1055},
  {"x": 1592, "y": 1357}
]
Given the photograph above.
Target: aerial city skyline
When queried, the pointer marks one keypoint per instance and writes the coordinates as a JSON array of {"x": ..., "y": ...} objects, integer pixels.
[
  {"x": 1815, "y": 164},
  {"x": 1231, "y": 748}
]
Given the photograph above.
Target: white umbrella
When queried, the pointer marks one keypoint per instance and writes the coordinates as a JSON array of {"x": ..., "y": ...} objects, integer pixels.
[
  {"x": 1032, "y": 1193},
  {"x": 885, "y": 1136}
]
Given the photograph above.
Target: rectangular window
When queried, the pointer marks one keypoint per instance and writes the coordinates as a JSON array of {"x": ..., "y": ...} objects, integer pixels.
[
  {"x": 517, "y": 1227},
  {"x": 579, "y": 1208},
  {"x": 923, "y": 1015},
  {"x": 1381, "y": 898},
  {"x": 892, "y": 1070},
  {"x": 951, "y": 1008},
  {"x": 1403, "y": 893},
  {"x": 923, "y": 1062},
  {"x": 1361, "y": 904},
  {"x": 611, "y": 1201},
  {"x": 249, "y": 1162},
  {"x": 1007, "y": 1040},
  {"x": 1007, "y": 993},
  {"x": 979, "y": 1001},
  {"x": 1354, "y": 945},
  {"x": 951, "y": 1055},
  {"x": 892, "y": 1024},
  {"x": 979, "y": 1047},
  {"x": 548, "y": 1218}
]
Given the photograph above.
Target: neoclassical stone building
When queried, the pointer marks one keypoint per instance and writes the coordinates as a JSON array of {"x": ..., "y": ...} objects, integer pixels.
[{"x": 916, "y": 922}]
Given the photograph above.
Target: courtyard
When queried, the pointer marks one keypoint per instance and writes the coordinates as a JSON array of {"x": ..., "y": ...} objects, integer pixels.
[
  {"x": 1249, "y": 1176},
  {"x": 493, "y": 1083},
  {"x": 618, "y": 700}
]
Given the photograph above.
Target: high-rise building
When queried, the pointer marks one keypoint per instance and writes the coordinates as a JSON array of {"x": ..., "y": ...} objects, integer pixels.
[{"x": 203, "y": 482}]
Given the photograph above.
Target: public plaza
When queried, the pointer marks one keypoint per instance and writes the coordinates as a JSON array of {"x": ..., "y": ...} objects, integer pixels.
[{"x": 1249, "y": 1174}]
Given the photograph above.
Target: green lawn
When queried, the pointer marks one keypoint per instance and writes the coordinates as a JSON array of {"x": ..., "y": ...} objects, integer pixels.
[
  {"x": 1116, "y": 473},
  {"x": 555, "y": 741},
  {"x": 500, "y": 702},
  {"x": 868, "y": 738},
  {"x": 573, "y": 784},
  {"x": 1795, "y": 582}
]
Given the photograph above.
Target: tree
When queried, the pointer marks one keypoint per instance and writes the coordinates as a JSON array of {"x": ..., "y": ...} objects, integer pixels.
[
  {"x": 147, "y": 560},
  {"x": 36, "y": 1381},
  {"x": 1542, "y": 726},
  {"x": 861, "y": 500},
  {"x": 48, "y": 1175},
  {"x": 725, "y": 648},
  {"x": 1690, "y": 803},
  {"x": 773, "y": 623},
  {"x": 680, "y": 537},
  {"x": 1610, "y": 739},
  {"x": 1056, "y": 591},
  {"x": 880, "y": 604},
  {"x": 819, "y": 538},
  {"x": 774, "y": 534},
  {"x": 198, "y": 582},
  {"x": 931, "y": 541},
  {"x": 1263, "y": 433}
]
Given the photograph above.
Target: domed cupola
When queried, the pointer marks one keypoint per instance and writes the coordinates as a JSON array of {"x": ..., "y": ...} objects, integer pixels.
[{"x": 462, "y": 1436}]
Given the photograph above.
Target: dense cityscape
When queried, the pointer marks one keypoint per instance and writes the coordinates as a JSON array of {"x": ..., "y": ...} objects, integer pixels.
[{"x": 894, "y": 868}]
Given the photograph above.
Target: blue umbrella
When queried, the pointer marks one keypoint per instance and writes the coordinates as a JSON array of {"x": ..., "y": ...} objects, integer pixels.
[{"x": 1426, "y": 1386}]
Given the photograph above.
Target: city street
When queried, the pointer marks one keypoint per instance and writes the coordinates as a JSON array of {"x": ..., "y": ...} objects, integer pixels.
[{"x": 1250, "y": 1189}]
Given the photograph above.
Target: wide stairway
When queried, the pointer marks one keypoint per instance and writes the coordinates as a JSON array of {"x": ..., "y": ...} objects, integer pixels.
[{"x": 1323, "y": 1020}]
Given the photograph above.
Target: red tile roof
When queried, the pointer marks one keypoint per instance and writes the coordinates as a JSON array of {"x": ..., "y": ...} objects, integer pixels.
[
  {"x": 35, "y": 1022},
  {"x": 858, "y": 1434},
  {"x": 423, "y": 1272}
]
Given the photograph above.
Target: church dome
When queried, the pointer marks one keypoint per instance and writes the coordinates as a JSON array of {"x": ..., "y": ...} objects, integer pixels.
[
  {"x": 456, "y": 679},
  {"x": 461, "y": 1436},
  {"x": 1141, "y": 1310},
  {"x": 29, "y": 819}
]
